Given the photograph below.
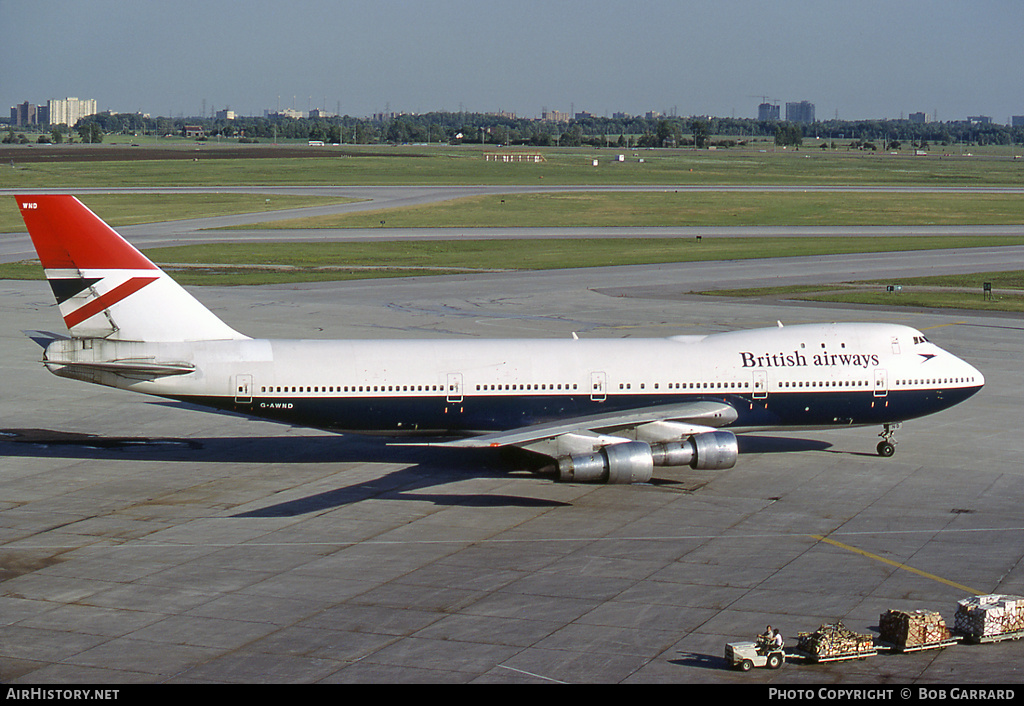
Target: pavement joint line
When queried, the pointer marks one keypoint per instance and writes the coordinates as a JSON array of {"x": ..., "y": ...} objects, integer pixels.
[
  {"x": 898, "y": 565},
  {"x": 531, "y": 674},
  {"x": 142, "y": 544}
]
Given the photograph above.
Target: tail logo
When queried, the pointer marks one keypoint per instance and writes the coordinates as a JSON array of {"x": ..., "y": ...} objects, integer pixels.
[
  {"x": 64, "y": 289},
  {"x": 102, "y": 283}
]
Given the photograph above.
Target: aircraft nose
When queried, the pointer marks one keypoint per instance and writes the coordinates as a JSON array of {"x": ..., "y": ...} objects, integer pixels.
[{"x": 973, "y": 374}]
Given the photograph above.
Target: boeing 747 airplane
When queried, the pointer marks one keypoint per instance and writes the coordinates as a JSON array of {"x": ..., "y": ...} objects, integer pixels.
[{"x": 606, "y": 410}]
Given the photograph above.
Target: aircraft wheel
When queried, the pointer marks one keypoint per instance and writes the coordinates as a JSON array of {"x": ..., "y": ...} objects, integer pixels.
[{"x": 885, "y": 449}]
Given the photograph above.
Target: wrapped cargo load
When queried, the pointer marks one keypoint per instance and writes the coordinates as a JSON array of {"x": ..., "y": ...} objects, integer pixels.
[
  {"x": 990, "y": 617},
  {"x": 914, "y": 630},
  {"x": 835, "y": 641}
]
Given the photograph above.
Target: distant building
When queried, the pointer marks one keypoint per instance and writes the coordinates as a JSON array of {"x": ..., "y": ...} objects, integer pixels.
[
  {"x": 225, "y": 114},
  {"x": 24, "y": 114},
  {"x": 767, "y": 111},
  {"x": 194, "y": 132},
  {"x": 919, "y": 118},
  {"x": 979, "y": 119},
  {"x": 555, "y": 116},
  {"x": 802, "y": 112},
  {"x": 68, "y": 111},
  {"x": 286, "y": 113},
  {"x": 318, "y": 113}
]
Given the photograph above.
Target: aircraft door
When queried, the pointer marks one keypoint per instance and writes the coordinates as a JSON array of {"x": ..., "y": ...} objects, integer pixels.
[
  {"x": 760, "y": 385},
  {"x": 881, "y": 383},
  {"x": 598, "y": 387},
  {"x": 243, "y": 389},
  {"x": 454, "y": 387}
]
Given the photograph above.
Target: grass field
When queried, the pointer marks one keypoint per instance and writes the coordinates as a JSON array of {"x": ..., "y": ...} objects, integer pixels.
[
  {"x": 687, "y": 208},
  {"x": 260, "y": 263},
  {"x": 441, "y": 165},
  {"x": 930, "y": 299},
  {"x": 132, "y": 209},
  {"x": 948, "y": 291}
]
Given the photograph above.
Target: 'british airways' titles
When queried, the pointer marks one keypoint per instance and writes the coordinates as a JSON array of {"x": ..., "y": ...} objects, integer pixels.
[{"x": 796, "y": 359}]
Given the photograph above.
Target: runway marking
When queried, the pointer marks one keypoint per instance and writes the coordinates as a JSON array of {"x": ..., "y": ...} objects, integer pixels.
[
  {"x": 531, "y": 674},
  {"x": 951, "y": 323},
  {"x": 898, "y": 565}
]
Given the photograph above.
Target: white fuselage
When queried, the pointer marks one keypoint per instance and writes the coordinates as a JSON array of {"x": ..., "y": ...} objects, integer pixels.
[{"x": 795, "y": 376}]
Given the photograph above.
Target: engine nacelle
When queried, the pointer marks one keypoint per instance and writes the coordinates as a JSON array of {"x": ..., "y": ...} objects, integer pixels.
[
  {"x": 634, "y": 461},
  {"x": 628, "y": 462},
  {"x": 713, "y": 450}
]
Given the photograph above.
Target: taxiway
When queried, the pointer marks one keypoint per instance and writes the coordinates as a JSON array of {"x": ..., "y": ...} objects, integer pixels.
[{"x": 142, "y": 541}]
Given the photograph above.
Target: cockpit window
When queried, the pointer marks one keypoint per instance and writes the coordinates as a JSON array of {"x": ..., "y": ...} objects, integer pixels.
[{"x": 920, "y": 339}]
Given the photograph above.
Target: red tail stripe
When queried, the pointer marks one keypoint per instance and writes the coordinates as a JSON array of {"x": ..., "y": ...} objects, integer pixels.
[
  {"x": 107, "y": 300},
  {"x": 68, "y": 235}
]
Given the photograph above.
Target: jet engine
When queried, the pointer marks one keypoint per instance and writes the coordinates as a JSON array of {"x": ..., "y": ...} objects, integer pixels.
[
  {"x": 714, "y": 451},
  {"x": 628, "y": 462},
  {"x": 634, "y": 461}
]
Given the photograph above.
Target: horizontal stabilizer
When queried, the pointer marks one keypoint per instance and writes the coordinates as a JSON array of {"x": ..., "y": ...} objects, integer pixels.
[
  {"x": 44, "y": 338},
  {"x": 125, "y": 367}
]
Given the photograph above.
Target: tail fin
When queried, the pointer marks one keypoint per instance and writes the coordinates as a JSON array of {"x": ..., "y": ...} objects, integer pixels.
[{"x": 104, "y": 287}]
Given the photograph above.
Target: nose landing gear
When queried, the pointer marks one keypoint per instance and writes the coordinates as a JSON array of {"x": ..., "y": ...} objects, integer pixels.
[{"x": 887, "y": 446}]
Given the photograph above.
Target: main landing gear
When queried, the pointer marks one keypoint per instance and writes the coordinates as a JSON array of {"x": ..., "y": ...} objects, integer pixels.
[{"x": 887, "y": 446}]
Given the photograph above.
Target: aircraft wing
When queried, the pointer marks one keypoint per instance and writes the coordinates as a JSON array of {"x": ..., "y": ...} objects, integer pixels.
[{"x": 583, "y": 434}]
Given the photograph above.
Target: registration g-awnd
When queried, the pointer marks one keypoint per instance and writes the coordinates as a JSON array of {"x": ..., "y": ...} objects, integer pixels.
[{"x": 606, "y": 410}]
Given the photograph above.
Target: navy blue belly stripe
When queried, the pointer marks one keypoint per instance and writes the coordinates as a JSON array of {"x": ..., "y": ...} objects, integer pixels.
[{"x": 434, "y": 414}]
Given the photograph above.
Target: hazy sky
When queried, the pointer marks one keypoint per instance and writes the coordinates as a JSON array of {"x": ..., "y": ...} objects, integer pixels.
[{"x": 858, "y": 58}]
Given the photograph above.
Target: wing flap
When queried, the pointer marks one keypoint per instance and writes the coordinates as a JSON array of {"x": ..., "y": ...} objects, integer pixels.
[{"x": 612, "y": 427}]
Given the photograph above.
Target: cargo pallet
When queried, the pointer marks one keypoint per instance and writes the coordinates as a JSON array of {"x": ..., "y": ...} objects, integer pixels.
[
  {"x": 842, "y": 656},
  {"x": 901, "y": 649},
  {"x": 998, "y": 637}
]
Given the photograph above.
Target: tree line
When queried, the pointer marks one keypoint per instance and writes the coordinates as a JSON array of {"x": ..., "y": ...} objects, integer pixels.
[{"x": 483, "y": 128}]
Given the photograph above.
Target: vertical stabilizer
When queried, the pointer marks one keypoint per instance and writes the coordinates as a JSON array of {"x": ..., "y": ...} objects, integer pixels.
[{"x": 104, "y": 287}]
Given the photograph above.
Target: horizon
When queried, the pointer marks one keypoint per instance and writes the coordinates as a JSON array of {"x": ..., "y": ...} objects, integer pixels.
[
  {"x": 873, "y": 60},
  {"x": 266, "y": 113}
]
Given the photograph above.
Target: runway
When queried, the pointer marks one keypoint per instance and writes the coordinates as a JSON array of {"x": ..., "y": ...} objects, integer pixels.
[
  {"x": 141, "y": 541},
  {"x": 15, "y": 247}
]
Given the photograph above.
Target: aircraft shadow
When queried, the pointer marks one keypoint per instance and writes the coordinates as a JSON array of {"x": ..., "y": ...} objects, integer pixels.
[
  {"x": 425, "y": 467},
  {"x": 286, "y": 449},
  {"x": 393, "y": 486},
  {"x": 749, "y": 444},
  {"x": 303, "y": 448},
  {"x": 696, "y": 659}
]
